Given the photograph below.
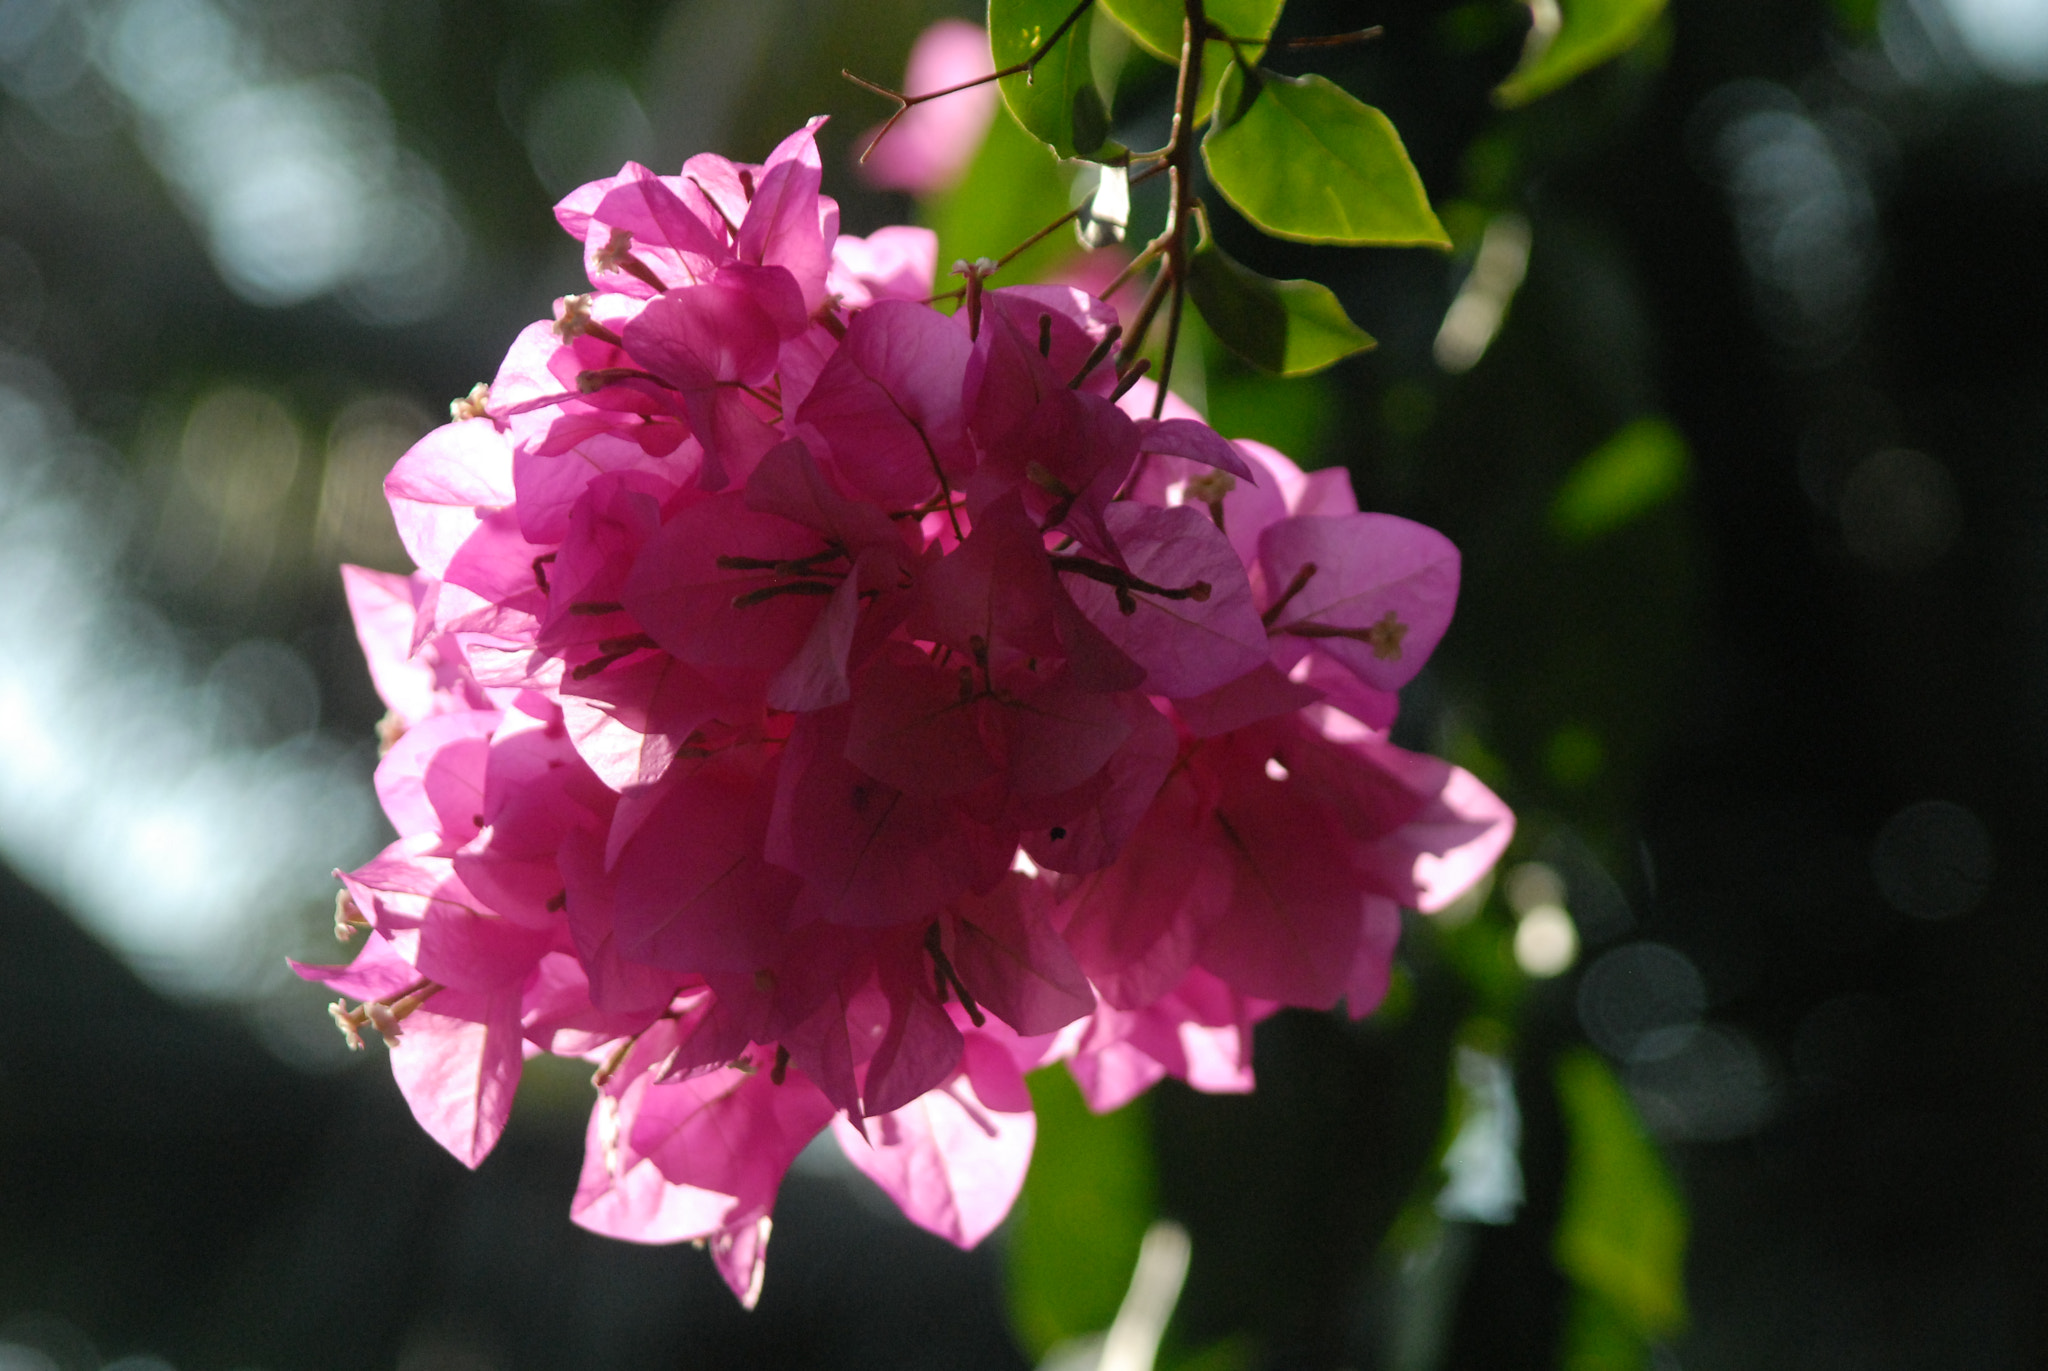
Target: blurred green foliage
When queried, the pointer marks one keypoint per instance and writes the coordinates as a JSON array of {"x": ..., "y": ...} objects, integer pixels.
[
  {"x": 1637, "y": 470},
  {"x": 1086, "y": 1204},
  {"x": 1013, "y": 190},
  {"x": 1621, "y": 1237},
  {"x": 1589, "y": 32}
]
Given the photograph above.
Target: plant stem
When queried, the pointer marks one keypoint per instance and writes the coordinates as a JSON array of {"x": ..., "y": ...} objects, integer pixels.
[
  {"x": 1180, "y": 151},
  {"x": 904, "y": 103}
]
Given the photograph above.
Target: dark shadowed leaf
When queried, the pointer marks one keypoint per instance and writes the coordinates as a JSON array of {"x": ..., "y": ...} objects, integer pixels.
[
  {"x": 1288, "y": 327},
  {"x": 1303, "y": 159}
]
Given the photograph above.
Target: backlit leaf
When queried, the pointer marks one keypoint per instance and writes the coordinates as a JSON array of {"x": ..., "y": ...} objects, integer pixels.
[
  {"x": 1305, "y": 160},
  {"x": 1057, "y": 100},
  {"x": 1588, "y": 33},
  {"x": 1158, "y": 25}
]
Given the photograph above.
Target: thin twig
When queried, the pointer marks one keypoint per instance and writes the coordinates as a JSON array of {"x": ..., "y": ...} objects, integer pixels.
[
  {"x": 1332, "y": 40},
  {"x": 1066, "y": 218},
  {"x": 1180, "y": 161},
  {"x": 1173, "y": 310},
  {"x": 1147, "y": 310},
  {"x": 904, "y": 103},
  {"x": 1036, "y": 238}
]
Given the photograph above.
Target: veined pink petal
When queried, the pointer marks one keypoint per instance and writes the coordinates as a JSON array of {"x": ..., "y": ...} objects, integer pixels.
[
  {"x": 1084, "y": 829},
  {"x": 1261, "y": 693},
  {"x": 694, "y": 893},
  {"x": 893, "y": 263},
  {"x": 1370, "y": 967},
  {"x": 789, "y": 483},
  {"x": 888, "y": 403},
  {"x": 386, "y": 610},
  {"x": 952, "y": 1161},
  {"x": 783, "y": 227},
  {"x": 638, "y": 1204},
  {"x": 698, "y": 337},
  {"x": 627, "y": 721},
  {"x": 381, "y": 969},
  {"x": 920, "y": 1044},
  {"x": 437, "y": 487},
  {"x": 1136, "y": 925},
  {"x": 457, "y": 1062},
  {"x": 871, "y": 855},
  {"x": 916, "y": 729},
  {"x": 998, "y": 587},
  {"x": 1380, "y": 595},
  {"x": 816, "y": 676},
  {"x": 731, "y": 1132},
  {"x": 1455, "y": 834},
  {"x": 617, "y": 985},
  {"x": 1200, "y": 1032},
  {"x": 432, "y": 779},
  {"x": 657, "y": 217},
  {"x": 1009, "y": 957},
  {"x": 708, "y": 589},
  {"x": 740, "y": 1252},
  {"x": 1291, "y": 929},
  {"x": 622, "y": 1193},
  {"x": 1195, "y": 442},
  {"x": 1207, "y": 633}
]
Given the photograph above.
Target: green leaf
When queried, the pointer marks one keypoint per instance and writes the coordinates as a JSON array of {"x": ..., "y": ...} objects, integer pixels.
[
  {"x": 1159, "y": 27},
  {"x": 1288, "y": 327},
  {"x": 1303, "y": 159},
  {"x": 1598, "y": 1338},
  {"x": 1088, "y": 1199},
  {"x": 1058, "y": 100},
  {"x": 1622, "y": 1232},
  {"x": 1013, "y": 189},
  {"x": 1588, "y": 33},
  {"x": 1632, "y": 473}
]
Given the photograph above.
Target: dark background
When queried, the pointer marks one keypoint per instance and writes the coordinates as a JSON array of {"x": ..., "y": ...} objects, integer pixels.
[{"x": 1813, "y": 238}]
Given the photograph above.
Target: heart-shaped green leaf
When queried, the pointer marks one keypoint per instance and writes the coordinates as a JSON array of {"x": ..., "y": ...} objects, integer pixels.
[
  {"x": 1303, "y": 159},
  {"x": 1288, "y": 327},
  {"x": 1058, "y": 99}
]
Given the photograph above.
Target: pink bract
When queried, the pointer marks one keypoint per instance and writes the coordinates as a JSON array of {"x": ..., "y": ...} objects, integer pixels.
[
  {"x": 815, "y": 710},
  {"x": 931, "y": 145}
]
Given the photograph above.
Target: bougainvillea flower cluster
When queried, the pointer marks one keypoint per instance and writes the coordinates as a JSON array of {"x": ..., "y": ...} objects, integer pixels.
[{"x": 815, "y": 710}]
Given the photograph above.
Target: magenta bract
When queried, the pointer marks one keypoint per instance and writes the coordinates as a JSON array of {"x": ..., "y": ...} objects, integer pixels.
[{"x": 816, "y": 710}]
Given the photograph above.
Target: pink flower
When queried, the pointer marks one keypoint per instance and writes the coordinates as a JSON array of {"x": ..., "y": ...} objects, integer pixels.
[
  {"x": 816, "y": 710},
  {"x": 929, "y": 148}
]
